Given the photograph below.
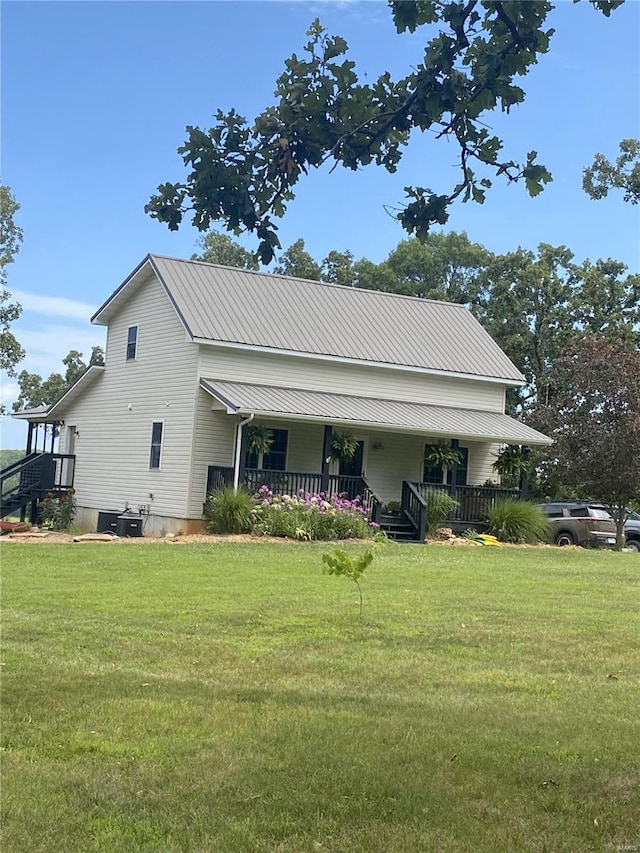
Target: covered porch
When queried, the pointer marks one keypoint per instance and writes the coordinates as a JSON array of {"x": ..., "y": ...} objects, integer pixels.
[{"x": 388, "y": 469}]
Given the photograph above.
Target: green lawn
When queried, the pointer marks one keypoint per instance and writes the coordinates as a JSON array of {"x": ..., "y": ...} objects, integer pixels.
[{"x": 227, "y": 698}]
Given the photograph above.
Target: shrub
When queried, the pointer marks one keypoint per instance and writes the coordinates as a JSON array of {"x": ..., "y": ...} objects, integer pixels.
[
  {"x": 310, "y": 516},
  {"x": 518, "y": 522},
  {"x": 439, "y": 506},
  {"x": 229, "y": 511},
  {"x": 57, "y": 513}
]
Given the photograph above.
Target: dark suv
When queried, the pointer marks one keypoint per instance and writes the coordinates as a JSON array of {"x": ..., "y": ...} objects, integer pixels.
[
  {"x": 632, "y": 531},
  {"x": 580, "y": 523}
]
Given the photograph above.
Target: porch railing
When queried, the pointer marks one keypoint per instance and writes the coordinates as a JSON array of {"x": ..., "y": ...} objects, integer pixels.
[
  {"x": 28, "y": 479},
  {"x": 293, "y": 482},
  {"x": 474, "y": 502},
  {"x": 414, "y": 508}
]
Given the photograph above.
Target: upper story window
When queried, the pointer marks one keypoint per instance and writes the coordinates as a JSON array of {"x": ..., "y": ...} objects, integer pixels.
[
  {"x": 276, "y": 458},
  {"x": 132, "y": 342},
  {"x": 156, "y": 444}
]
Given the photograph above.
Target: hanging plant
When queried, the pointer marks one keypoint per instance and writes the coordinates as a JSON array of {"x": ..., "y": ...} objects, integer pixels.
[
  {"x": 343, "y": 446},
  {"x": 259, "y": 438},
  {"x": 511, "y": 463},
  {"x": 441, "y": 455}
]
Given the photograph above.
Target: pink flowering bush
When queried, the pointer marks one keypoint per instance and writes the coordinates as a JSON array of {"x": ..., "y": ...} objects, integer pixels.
[
  {"x": 309, "y": 516},
  {"x": 57, "y": 512}
]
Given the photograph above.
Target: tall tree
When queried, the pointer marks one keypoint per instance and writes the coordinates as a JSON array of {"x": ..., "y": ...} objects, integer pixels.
[
  {"x": 244, "y": 174},
  {"x": 297, "y": 262},
  {"x": 607, "y": 302},
  {"x": 217, "y": 248},
  {"x": 442, "y": 266},
  {"x": 526, "y": 305},
  {"x": 337, "y": 268},
  {"x": 34, "y": 391},
  {"x": 10, "y": 240},
  {"x": 602, "y": 175},
  {"x": 594, "y": 417}
]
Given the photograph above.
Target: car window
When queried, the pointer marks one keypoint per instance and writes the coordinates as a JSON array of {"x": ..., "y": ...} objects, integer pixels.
[
  {"x": 599, "y": 513},
  {"x": 579, "y": 512},
  {"x": 634, "y": 516}
]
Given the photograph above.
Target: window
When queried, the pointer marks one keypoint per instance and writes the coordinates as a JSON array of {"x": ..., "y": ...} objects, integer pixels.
[
  {"x": 276, "y": 458},
  {"x": 463, "y": 466},
  {"x": 132, "y": 342},
  {"x": 435, "y": 474},
  {"x": 156, "y": 444}
]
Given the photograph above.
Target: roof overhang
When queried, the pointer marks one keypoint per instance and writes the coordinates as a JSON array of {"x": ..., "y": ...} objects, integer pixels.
[
  {"x": 54, "y": 412},
  {"x": 241, "y": 398}
]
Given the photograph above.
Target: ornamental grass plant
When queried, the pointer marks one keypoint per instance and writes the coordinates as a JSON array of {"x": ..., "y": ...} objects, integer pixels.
[
  {"x": 518, "y": 522},
  {"x": 439, "y": 506},
  {"x": 229, "y": 511}
]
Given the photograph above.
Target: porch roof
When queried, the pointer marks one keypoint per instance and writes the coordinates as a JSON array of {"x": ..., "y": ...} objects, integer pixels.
[{"x": 243, "y": 398}]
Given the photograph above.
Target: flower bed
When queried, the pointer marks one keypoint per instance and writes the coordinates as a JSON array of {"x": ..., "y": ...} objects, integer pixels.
[{"x": 310, "y": 516}]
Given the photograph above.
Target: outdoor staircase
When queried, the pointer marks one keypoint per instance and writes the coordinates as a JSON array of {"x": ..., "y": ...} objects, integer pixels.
[
  {"x": 398, "y": 527},
  {"x": 26, "y": 481}
]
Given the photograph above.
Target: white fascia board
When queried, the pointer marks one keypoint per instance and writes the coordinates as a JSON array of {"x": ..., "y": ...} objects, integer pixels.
[
  {"x": 228, "y": 405},
  {"x": 359, "y": 362}
]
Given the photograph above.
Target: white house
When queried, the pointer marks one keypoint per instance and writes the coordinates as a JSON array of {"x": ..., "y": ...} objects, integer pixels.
[{"x": 195, "y": 352}]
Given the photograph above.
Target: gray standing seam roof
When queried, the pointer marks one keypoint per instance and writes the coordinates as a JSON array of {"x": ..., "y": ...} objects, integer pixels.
[
  {"x": 246, "y": 398},
  {"x": 226, "y": 305}
]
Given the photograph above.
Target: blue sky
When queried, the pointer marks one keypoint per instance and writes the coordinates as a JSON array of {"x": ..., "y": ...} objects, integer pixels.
[{"x": 96, "y": 97}]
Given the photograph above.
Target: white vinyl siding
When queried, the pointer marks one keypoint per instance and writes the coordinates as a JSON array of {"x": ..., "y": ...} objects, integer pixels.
[
  {"x": 390, "y": 384},
  {"x": 115, "y": 414}
]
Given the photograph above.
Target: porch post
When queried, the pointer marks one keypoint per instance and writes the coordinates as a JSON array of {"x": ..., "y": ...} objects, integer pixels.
[
  {"x": 524, "y": 477},
  {"x": 29, "y": 438},
  {"x": 455, "y": 443},
  {"x": 241, "y": 453},
  {"x": 326, "y": 458}
]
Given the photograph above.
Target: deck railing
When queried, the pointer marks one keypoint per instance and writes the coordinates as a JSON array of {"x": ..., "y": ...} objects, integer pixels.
[
  {"x": 294, "y": 482},
  {"x": 474, "y": 502},
  {"x": 414, "y": 508},
  {"x": 33, "y": 476}
]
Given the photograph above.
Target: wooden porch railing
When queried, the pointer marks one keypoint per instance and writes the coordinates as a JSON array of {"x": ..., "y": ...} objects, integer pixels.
[
  {"x": 414, "y": 508},
  {"x": 294, "y": 482},
  {"x": 474, "y": 502},
  {"x": 33, "y": 476}
]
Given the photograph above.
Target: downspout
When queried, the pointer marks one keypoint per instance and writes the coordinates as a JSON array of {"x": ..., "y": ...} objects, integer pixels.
[{"x": 236, "y": 466}]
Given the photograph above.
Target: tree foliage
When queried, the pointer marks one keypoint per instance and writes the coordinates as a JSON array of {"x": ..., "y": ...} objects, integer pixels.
[
  {"x": 10, "y": 240},
  {"x": 594, "y": 417},
  {"x": 34, "y": 391},
  {"x": 217, "y": 248},
  {"x": 602, "y": 175},
  {"x": 242, "y": 174}
]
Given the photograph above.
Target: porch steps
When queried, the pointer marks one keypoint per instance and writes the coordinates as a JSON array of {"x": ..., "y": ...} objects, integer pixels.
[{"x": 397, "y": 527}]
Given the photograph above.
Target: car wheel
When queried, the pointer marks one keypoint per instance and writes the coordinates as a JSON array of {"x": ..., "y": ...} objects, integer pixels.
[
  {"x": 633, "y": 545},
  {"x": 565, "y": 538}
]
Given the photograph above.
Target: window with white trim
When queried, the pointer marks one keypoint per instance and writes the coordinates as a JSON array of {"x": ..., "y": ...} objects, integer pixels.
[
  {"x": 156, "y": 444},
  {"x": 132, "y": 343}
]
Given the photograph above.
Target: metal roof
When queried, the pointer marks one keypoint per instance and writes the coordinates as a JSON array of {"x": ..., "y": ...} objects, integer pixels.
[
  {"x": 242, "y": 307},
  {"x": 244, "y": 398}
]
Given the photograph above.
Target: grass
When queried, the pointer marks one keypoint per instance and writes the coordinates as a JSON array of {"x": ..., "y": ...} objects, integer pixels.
[{"x": 226, "y": 697}]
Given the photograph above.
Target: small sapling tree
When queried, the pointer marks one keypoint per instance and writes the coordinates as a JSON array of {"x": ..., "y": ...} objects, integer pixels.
[{"x": 341, "y": 564}]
